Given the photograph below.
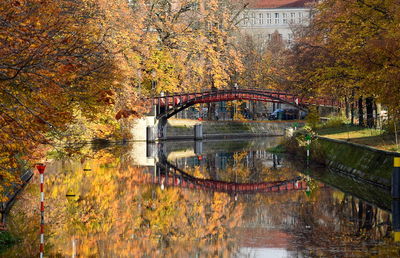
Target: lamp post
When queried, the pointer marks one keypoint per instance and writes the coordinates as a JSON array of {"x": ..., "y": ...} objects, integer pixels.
[{"x": 308, "y": 145}]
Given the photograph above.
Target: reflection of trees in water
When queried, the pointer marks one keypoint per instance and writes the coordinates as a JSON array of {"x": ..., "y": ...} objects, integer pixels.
[
  {"x": 114, "y": 214},
  {"x": 325, "y": 220},
  {"x": 211, "y": 166},
  {"x": 242, "y": 167},
  {"x": 326, "y": 224},
  {"x": 338, "y": 223}
]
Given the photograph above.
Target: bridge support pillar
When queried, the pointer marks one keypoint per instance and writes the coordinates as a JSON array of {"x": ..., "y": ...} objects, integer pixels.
[
  {"x": 150, "y": 150},
  {"x": 198, "y": 132},
  {"x": 198, "y": 147},
  {"x": 162, "y": 129},
  {"x": 150, "y": 134}
]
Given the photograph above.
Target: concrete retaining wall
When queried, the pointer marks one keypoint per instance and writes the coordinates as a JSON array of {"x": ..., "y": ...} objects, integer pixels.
[
  {"x": 373, "y": 165},
  {"x": 138, "y": 129},
  {"x": 184, "y": 129},
  {"x": 360, "y": 161},
  {"x": 177, "y": 129}
]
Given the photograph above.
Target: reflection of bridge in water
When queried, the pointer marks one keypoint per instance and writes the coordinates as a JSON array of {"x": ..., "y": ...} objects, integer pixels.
[
  {"x": 172, "y": 176},
  {"x": 167, "y": 174},
  {"x": 221, "y": 160}
]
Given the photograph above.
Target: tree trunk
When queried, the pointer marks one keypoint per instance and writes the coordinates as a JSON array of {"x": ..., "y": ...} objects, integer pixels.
[
  {"x": 347, "y": 105},
  {"x": 211, "y": 111},
  {"x": 378, "y": 109},
  {"x": 369, "y": 103},
  {"x": 360, "y": 112},
  {"x": 369, "y": 216},
  {"x": 360, "y": 216},
  {"x": 352, "y": 107},
  {"x": 253, "y": 114}
]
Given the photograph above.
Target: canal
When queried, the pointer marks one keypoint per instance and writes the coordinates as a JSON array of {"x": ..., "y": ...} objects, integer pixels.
[{"x": 229, "y": 198}]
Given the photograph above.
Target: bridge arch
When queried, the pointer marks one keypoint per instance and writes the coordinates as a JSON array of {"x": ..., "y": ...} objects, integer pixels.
[{"x": 167, "y": 106}]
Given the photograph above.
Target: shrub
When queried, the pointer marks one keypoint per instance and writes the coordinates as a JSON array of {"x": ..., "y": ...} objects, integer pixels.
[
  {"x": 333, "y": 122},
  {"x": 312, "y": 118},
  {"x": 6, "y": 239}
]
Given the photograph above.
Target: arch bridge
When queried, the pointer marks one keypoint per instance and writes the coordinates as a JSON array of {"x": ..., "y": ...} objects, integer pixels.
[{"x": 169, "y": 105}]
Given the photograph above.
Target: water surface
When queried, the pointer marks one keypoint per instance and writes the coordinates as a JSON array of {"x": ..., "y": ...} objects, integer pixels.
[{"x": 182, "y": 199}]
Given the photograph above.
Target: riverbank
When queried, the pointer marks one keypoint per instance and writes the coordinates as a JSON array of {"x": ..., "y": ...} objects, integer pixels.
[
  {"x": 361, "y": 162},
  {"x": 376, "y": 138}
]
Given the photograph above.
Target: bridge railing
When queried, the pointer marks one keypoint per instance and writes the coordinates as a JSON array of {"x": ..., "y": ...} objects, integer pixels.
[
  {"x": 179, "y": 98},
  {"x": 168, "y": 105}
]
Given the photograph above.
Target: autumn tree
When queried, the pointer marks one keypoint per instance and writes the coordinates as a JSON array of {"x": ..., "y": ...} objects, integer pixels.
[
  {"x": 193, "y": 46},
  {"x": 348, "y": 51},
  {"x": 58, "y": 62},
  {"x": 260, "y": 60}
]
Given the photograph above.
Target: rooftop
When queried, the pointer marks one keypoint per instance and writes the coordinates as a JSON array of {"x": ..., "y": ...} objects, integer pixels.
[{"x": 260, "y": 4}]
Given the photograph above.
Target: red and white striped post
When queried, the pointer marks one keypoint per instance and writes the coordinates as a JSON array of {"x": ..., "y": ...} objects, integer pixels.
[{"x": 41, "y": 168}]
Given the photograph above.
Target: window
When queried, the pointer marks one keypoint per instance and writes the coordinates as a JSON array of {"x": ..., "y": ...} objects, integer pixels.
[
  {"x": 252, "y": 18},
  {"x": 284, "y": 18},
  {"x": 292, "y": 17},
  {"x": 268, "y": 37},
  {"x": 260, "y": 18},
  {"x": 300, "y": 17},
  {"x": 269, "y": 18},
  {"x": 276, "y": 18},
  {"x": 245, "y": 19}
]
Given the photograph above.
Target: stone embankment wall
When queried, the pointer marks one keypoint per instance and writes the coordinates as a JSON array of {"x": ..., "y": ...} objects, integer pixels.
[
  {"x": 184, "y": 129},
  {"x": 355, "y": 160}
]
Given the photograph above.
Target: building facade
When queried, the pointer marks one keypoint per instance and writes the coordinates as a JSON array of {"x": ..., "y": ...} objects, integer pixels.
[{"x": 266, "y": 19}]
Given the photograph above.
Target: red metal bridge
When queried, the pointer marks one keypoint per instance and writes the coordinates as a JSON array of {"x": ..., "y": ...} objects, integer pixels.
[{"x": 169, "y": 105}]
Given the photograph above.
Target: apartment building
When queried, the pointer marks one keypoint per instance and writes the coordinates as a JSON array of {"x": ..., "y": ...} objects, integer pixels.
[{"x": 264, "y": 19}]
